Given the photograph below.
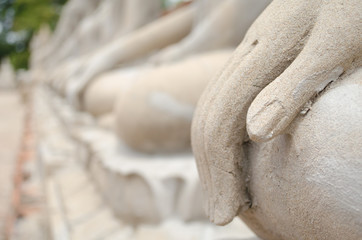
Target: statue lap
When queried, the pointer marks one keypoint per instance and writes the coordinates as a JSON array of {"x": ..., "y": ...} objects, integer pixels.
[
  {"x": 306, "y": 184},
  {"x": 155, "y": 115}
]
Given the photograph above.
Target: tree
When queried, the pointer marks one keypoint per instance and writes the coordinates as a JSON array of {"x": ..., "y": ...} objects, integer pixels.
[{"x": 19, "y": 19}]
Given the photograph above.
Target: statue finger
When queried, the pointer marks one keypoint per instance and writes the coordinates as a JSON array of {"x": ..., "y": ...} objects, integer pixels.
[
  {"x": 328, "y": 53},
  {"x": 219, "y": 128}
]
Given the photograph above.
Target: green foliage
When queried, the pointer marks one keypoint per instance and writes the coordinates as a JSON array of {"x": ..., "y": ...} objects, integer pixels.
[
  {"x": 19, "y": 19},
  {"x": 31, "y": 14},
  {"x": 5, "y": 48},
  {"x": 20, "y": 60}
]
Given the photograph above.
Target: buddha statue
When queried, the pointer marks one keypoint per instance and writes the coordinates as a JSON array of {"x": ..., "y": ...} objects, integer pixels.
[
  {"x": 124, "y": 50},
  {"x": 211, "y": 18},
  {"x": 74, "y": 11},
  {"x": 113, "y": 19},
  {"x": 217, "y": 24},
  {"x": 155, "y": 114}
]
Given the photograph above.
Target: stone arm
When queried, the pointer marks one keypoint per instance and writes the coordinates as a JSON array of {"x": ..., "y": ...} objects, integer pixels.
[
  {"x": 138, "y": 14},
  {"x": 290, "y": 54},
  {"x": 86, "y": 37},
  {"x": 224, "y": 27},
  {"x": 152, "y": 37},
  {"x": 114, "y": 19},
  {"x": 72, "y": 14}
]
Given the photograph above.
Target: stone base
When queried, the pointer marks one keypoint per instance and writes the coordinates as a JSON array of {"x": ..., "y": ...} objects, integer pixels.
[{"x": 97, "y": 185}]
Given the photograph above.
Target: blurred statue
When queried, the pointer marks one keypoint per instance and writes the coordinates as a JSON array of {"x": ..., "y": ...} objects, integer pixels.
[
  {"x": 208, "y": 33},
  {"x": 155, "y": 114},
  {"x": 205, "y": 36},
  {"x": 293, "y": 87},
  {"x": 38, "y": 43},
  {"x": 160, "y": 105},
  {"x": 7, "y": 75},
  {"x": 73, "y": 13},
  {"x": 112, "y": 19},
  {"x": 135, "y": 45},
  {"x": 217, "y": 24}
]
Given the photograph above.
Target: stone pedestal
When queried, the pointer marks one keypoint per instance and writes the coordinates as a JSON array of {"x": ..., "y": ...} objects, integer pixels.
[{"x": 98, "y": 187}]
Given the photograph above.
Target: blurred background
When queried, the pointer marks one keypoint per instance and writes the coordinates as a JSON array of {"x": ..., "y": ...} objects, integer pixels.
[
  {"x": 96, "y": 103},
  {"x": 20, "y": 19}
]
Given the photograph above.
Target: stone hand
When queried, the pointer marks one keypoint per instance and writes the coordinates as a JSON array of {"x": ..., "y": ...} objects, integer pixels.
[
  {"x": 290, "y": 53},
  {"x": 331, "y": 46}
]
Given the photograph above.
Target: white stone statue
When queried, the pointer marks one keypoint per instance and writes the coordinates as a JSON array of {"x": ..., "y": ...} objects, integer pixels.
[
  {"x": 155, "y": 114},
  {"x": 299, "y": 175},
  {"x": 135, "y": 45},
  {"x": 113, "y": 19},
  {"x": 72, "y": 14},
  {"x": 217, "y": 24},
  {"x": 207, "y": 34},
  {"x": 7, "y": 75},
  {"x": 159, "y": 107},
  {"x": 38, "y": 42}
]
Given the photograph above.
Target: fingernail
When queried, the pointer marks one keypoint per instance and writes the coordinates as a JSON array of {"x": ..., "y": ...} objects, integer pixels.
[{"x": 261, "y": 126}]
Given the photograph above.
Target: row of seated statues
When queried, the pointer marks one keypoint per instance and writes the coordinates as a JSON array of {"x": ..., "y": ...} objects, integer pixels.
[{"x": 267, "y": 93}]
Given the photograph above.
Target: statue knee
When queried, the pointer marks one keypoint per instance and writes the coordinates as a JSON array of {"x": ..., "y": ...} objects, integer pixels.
[
  {"x": 100, "y": 95},
  {"x": 152, "y": 120},
  {"x": 155, "y": 114}
]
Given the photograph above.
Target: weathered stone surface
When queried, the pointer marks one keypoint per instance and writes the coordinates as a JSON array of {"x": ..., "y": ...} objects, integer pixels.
[
  {"x": 302, "y": 185},
  {"x": 324, "y": 168}
]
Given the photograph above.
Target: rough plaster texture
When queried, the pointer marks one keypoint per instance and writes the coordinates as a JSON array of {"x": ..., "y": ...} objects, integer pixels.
[
  {"x": 155, "y": 114},
  {"x": 289, "y": 55},
  {"x": 306, "y": 183}
]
